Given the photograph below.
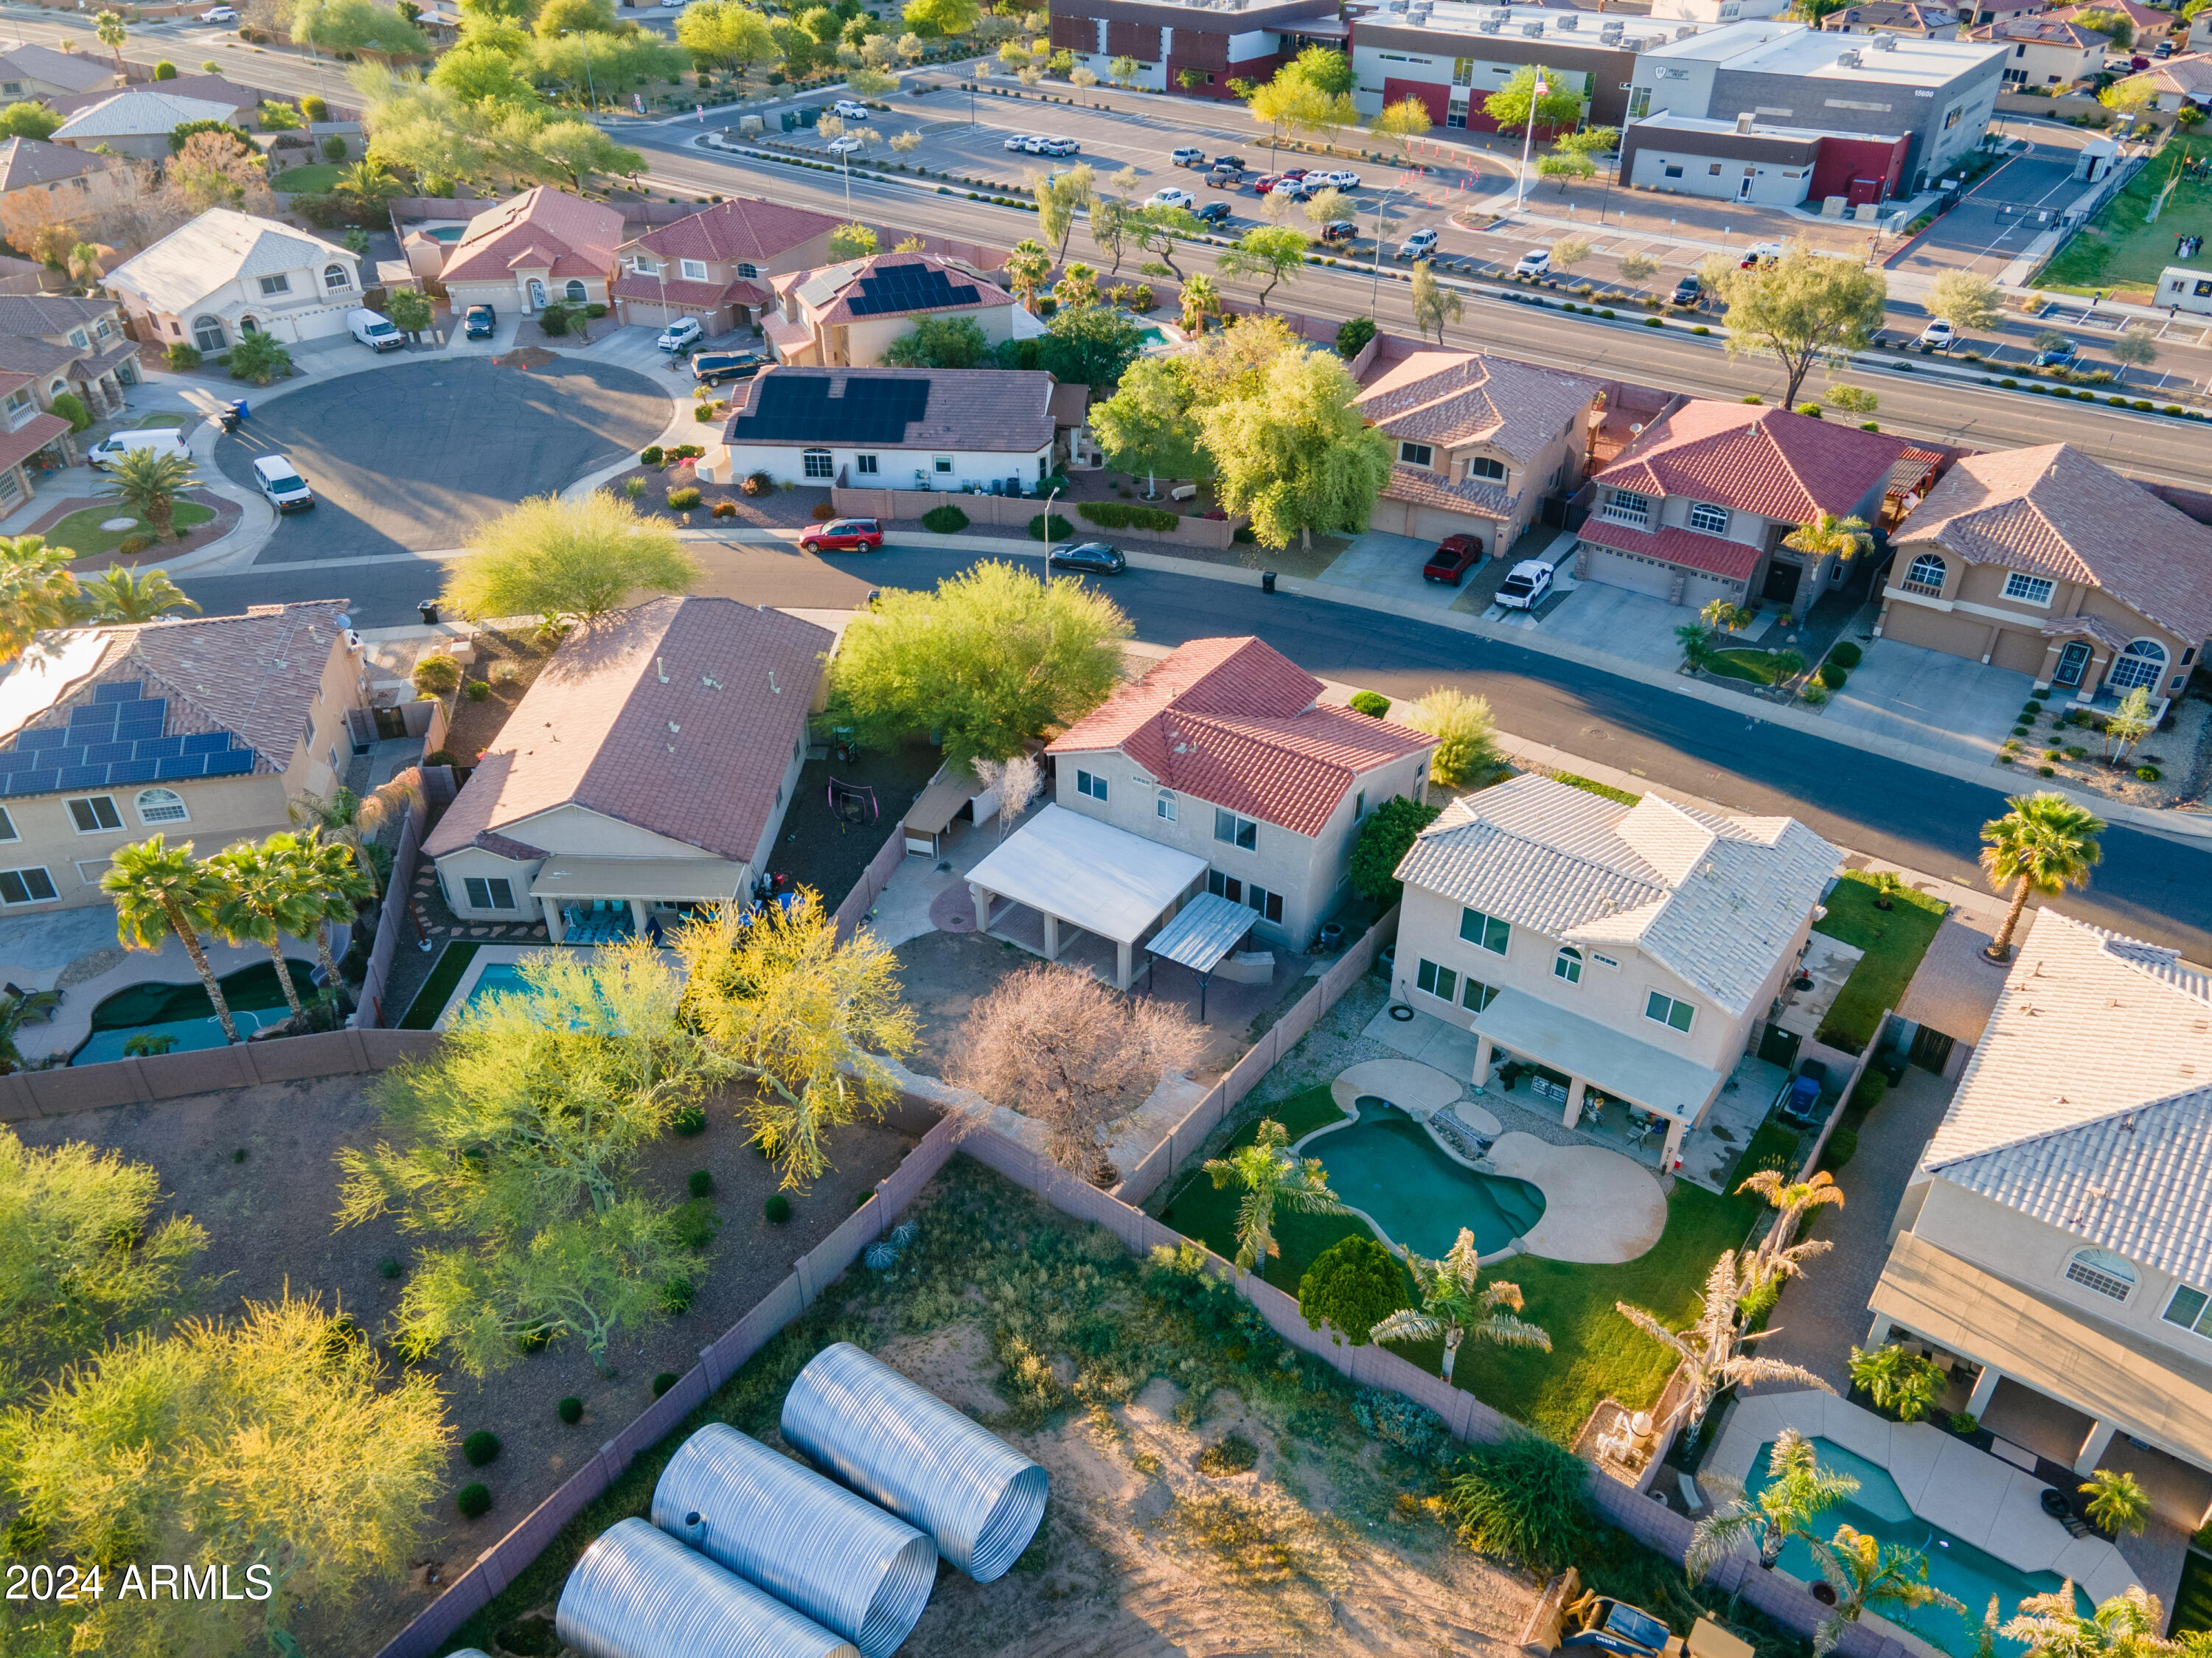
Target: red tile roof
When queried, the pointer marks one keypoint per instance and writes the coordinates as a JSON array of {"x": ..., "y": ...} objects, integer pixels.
[
  {"x": 1714, "y": 554},
  {"x": 1781, "y": 466},
  {"x": 541, "y": 229},
  {"x": 740, "y": 229},
  {"x": 1234, "y": 722},
  {"x": 629, "y": 285}
]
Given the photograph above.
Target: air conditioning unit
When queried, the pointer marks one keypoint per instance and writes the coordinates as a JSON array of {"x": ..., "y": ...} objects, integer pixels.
[
  {"x": 1569, "y": 25},
  {"x": 1848, "y": 59},
  {"x": 1487, "y": 26},
  {"x": 1534, "y": 31},
  {"x": 1885, "y": 43},
  {"x": 1608, "y": 35},
  {"x": 1686, "y": 32}
]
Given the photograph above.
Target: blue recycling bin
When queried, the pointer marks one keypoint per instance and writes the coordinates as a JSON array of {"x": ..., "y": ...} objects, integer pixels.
[{"x": 238, "y": 408}]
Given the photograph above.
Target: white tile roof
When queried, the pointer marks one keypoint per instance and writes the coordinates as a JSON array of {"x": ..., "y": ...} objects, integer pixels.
[
  {"x": 220, "y": 246},
  {"x": 2088, "y": 1101},
  {"x": 1717, "y": 901},
  {"x": 135, "y": 114}
]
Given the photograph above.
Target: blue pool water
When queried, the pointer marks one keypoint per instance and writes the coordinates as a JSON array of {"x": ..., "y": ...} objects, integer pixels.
[
  {"x": 497, "y": 978},
  {"x": 1879, "y": 1509},
  {"x": 1386, "y": 1166}
]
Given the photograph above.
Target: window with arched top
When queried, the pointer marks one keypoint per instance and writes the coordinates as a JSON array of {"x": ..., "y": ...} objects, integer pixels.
[
  {"x": 818, "y": 463},
  {"x": 161, "y": 806},
  {"x": 575, "y": 290},
  {"x": 1568, "y": 964},
  {"x": 1163, "y": 805},
  {"x": 334, "y": 277},
  {"x": 2140, "y": 664},
  {"x": 208, "y": 335},
  {"x": 1927, "y": 571},
  {"x": 2102, "y": 1271}
]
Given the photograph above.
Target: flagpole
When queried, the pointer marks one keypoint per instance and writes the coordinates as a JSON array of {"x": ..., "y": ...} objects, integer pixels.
[{"x": 1528, "y": 139}]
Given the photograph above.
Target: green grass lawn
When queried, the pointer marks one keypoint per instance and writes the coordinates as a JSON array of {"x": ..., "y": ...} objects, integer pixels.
[
  {"x": 430, "y": 1001},
  {"x": 2117, "y": 251},
  {"x": 1894, "y": 940},
  {"x": 1760, "y": 667},
  {"x": 171, "y": 420},
  {"x": 2192, "y": 1601},
  {"x": 317, "y": 179},
  {"x": 1198, "y": 1211},
  {"x": 81, "y": 533}
]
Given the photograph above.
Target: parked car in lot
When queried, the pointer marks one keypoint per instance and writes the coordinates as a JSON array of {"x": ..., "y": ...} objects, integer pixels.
[
  {"x": 1215, "y": 213},
  {"x": 1759, "y": 253},
  {"x": 1223, "y": 178},
  {"x": 2162, "y": 51},
  {"x": 1536, "y": 261},
  {"x": 1342, "y": 178},
  {"x": 280, "y": 484},
  {"x": 2060, "y": 355},
  {"x": 1454, "y": 557},
  {"x": 843, "y": 535},
  {"x": 220, "y": 15},
  {"x": 1339, "y": 231},
  {"x": 1419, "y": 245},
  {"x": 1234, "y": 163},
  {"x": 481, "y": 323},
  {"x": 1266, "y": 182},
  {"x": 1688, "y": 291},
  {"x": 844, "y": 145},
  {"x": 1938, "y": 336},
  {"x": 713, "y": 367},
  {"x": 1171, "y": 197},
  {"x": 1189, "y": 155},
  {"x": 1525, "y": 585},
  {"x": 1062, "y": 147},
  {"x": 679, "y": 334},
  {"x": 849, "y": 109},
  {"x": 1302, "y": 190},
  {"x": 1091, "y": 557},
  {"x": 1020, "y": 141}
]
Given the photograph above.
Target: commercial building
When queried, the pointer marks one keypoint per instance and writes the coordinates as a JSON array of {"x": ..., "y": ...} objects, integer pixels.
[
  {"x": 1450, "y": 57},
  {"x": 1750, "y": 161},
  {"x": 1935, "y": 95},
  {"x": 1197, "y": 48}
]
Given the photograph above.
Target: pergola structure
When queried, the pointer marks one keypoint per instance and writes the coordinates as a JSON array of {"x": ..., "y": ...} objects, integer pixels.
[
  {"x": 1075, "y": 870},
  {"x": 1204, "y": 930}
]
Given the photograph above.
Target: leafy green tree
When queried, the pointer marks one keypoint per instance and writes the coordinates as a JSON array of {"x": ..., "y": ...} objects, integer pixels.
[
  {"x": 159, "y": 889},
  {"x": 257, "y": 359},
  {"x": 2129, "y": 723},
  {"x": 933, "y": 18},
  {"x": 1967, "y": 301},
  {"x": 941, "y": 342},
  {"x": 1865, "y": 1574},
  {"x": 575, "y": 151},
  {"x": 1352, "y": 1287},
  {"x": 479, "y": 73},
  {"x": 2044, "y": 844},
  {"x": 275, "y": 1444},
  {"x": 2117, "y": 1503},
  {"x": 852, "y": 241},
  {"x": 1266, "y": 253},
  {"x": 807, "y": 1020},
  {"x": 357, "y": 26},
  {"x": 990, "y": 659},
  {"x": 82, "y": 1260},
  {"x": 554, "y": 558},
  {"x": 1158, "y": 229},
  {"x": 2103, "y": 21},
  {"x": 1089, "y": 344},
  {"x": 1298, "y": 456},
  {"x": 1327, "y": 70},
  {"x": 1123, "y": 72},
  {"x": 723, "y": 35},
  {"x": 1802, "y": 307},
  {"x": 1798, "y": 1491},
  {"x": 1060, "y": 196},
  {"x": 410, "y": 310},
  {"x": 1271, "y": 1180},
  {"x": 584, "y": 16},
  {"x": 1455, "y": 1303},
  {"x": 1385, "y": 838},
  {"x": 263, "y": 899},
  {"x": 2133, "y": 347},
  {"x": 1434, "y": 304},
  {"x": 1398, "y": 124},
  {"x": 28, "y": 120},
  {"x": 1561, "y": 105},
  {"x": 1148, "y": 425},
  {"x": 38, "y": 591}
]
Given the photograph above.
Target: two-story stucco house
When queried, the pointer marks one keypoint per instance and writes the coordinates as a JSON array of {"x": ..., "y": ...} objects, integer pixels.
[
  {"x": 2049, "y": 563},
  {"x": 2048, "y": 53},
  {"x": 202, "y": 728},
  {"x": 228, "y": 274},
  {"x": 1626, "y": 950},
  {"x": 1224, "y": 752},
  {"x": 1695, "y": 509},
  {"x": 716, "y": 265},
  {"x": 847, "y": 315},
  {"x": 70, "y": 346},
  {"x": 544, "y": 246},
  {"x": 2054, "y": 1245},
  {"x": 648, "y": 769},
  {"x": 1477, "y": 443}
]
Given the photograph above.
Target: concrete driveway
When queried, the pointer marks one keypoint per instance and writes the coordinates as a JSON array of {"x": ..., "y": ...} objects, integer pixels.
[
  {"x": 1909, "y": 695},
  {"x": 409, "y": 459},
  {"x": 1377, "y": 563}
]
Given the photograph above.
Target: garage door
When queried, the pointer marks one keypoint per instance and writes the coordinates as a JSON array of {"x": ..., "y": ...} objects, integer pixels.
[
  {"x": 1433, "y": 524},
  {"x": 2023, "y": 652},
  {"x": 1699, "y": 590},
  {"x": 1635, "y": 574},
  {"x": 1933, "y": 630}
]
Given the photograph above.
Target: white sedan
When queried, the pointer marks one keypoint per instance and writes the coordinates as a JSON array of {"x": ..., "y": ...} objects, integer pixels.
[
  {"x": 1938, "y": 336},
  {"x": 1172, "y": 198},
  {"x": 1020, "y": 141},
  {"x": 845, "y": 145}
]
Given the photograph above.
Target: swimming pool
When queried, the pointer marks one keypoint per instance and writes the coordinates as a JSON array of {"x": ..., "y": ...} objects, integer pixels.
[
  {"x": 1879, "y": 1509},
  {"x": 184, "y": 1015},
  {"x": 1385, "y": 1165},
  {"x": 498, "y": 978}
]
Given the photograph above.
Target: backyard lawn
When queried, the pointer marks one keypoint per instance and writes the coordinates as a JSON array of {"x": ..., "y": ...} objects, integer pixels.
[
  {"x": 2117, "y": 251},
  {"x": 1894, "y": 940},
  {"x": 2192, "y": 1601},
  {"x": 1197, "y": 1211},
  {"x": 317, "y": 179},
  {"x": 81, "y": 533}
]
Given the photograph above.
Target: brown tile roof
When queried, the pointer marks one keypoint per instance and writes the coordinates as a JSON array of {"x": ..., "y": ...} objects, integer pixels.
[
  {"x": 678, "y": 717},
  {"x": 210, "y": 89},
  {"x": 2053, "y": 511},
  {"x": 1892, "y": 14},
  {"x": 1781, "y": 466},
  {"x": 1425, "y": 489},
  {"x": 740, "y": 229},
  {"x": 53, "y": 313},
  {"x": 1714, "y": 554},
  {"x": 33, "y": 436},
  {"x": 1234, "y": 722},
  {"x": 2191, "y": 75},
  {"x": 571, "y": 237},
  {"x": 629, "y": 285},
  {"x": 1466, "y": 396},
  {"x": 2041, "y": 31},
  {"x": 2147, "y": 20},
  {"x": 63, "y": 69},
  {"x": 989, "y": 410},
  {"x": 27, "y": 162}
]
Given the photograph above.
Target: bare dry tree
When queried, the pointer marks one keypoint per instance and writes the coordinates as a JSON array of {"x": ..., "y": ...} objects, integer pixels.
[
  {"x": 1016, "y": 782},
  {"x": 1074, "y": 1055}
]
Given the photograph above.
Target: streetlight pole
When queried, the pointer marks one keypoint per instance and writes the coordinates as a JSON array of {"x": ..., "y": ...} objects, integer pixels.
[
  {"x": 584, "y": 40},
  {"x": 1527, "y": 138},
  {"x": 1374, "y": 287}
]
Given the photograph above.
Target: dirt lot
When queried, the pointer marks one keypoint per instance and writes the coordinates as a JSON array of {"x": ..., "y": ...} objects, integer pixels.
[
  {"x": 508, "y": 664},
  {"x": 820, "y": 850},
  {"x": 255, "y": 1167}
]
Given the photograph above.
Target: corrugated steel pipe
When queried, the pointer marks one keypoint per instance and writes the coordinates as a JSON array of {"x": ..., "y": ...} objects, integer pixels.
[
  {"x": 906, "y": 1449},
  {"x": 638, "y": 1592},
  {"x": 833, "y": 1556}
]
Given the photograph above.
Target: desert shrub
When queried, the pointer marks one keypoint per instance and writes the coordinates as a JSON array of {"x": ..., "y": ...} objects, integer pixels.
[
  {"x": 1525, "y": 1498},
  {"x": 944, "y": 520},
  {"x": 2149, "y": 774},
  {"x": 1814, "y": 695},
  {"x": 1384, "y": 838},
  {"x": 650, "y": 455},
  {"x": 664, "y": 1381},
  {"x": 1126, "y": 515},
  {"x": 1466, "y": 735},
  {"x": 684, "y": 500},
  {"x": 1231, "y": 1454},
  {"x": 676, "y": 1295},
  {"x": 181, "y": 356},
  {"x": 165, "y": 70},
  {"x": 1055, "y": 530},
  {"x": 473, "y": 1500},
  {"x": 1846, "y": 655},
  {"x": 702, "y": 1182},
  {"x": 1833, "y": 674},
  {"x": 686, "y": 452},
  {"x": 480, "y": 1446},
  {"x": 334, "y": 149},
  {"x": 595, "y": 310},
  {"x": 1373, "y": 704},
  {"x": 570, "y": 1410},
  {"x": 1396, "y": 1420},
  {"x": 1842, "y": 1145},
  {"x": 129, "y": 546},
  {"x": 694, "y": 1224},
  {"x": 703, "y": 413},
  {"x": 726, "y": 509},
  {"x": 823, "y": 512},
  {"x": 689, "y": 1120},
  {"x": 777, "y": 1208},
  {"x": 1965, "y": 1423},
  {"x": 312, "y": 106},
  {"x": 437, "y": 675},
  {"x": 441, "y": 757},
  {"x": 389, "y": 1267},
  {"x": 553, "y": 320},
  {"x": 1353, "y": 1286},
  {"x": 759, "y": 483},
  {"x": 1351, "y": 338},
  {"x": 478, "y": 689}
]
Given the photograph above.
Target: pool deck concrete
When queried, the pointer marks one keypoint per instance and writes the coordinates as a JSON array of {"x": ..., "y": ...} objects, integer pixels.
[
  {"x": 1598, "y": 1207},
  {"x": 72, "y": 1020},
  {"x": 1415, "y": 1089},
  {"x": 1945, "y": 1481}
]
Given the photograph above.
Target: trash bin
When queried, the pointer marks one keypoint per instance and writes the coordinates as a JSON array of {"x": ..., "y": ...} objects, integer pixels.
[
  {"x": 237, "y": 407},
  {"x": 1266, "y": 581},
  {"x": 428, "y": 608},
  {"x": 790, "y": 119}
]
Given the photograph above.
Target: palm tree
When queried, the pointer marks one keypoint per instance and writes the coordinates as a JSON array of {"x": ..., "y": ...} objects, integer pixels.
[
  {"x": 1456, "y": 1305},
  {"x": 1797, "y": 1488},
  {"x": 1271, "y": 1178},
  {"x": 108, "y": 26},
  {"x": 352, "y": 820},
  {"x": 38, "y": 591},
  {"x": 2117, "y": 1502},
  {"x": 16, "y": 1012},
  {"x": 1828, "y": 536},
  {"x": 367, "y": 183},
  {"x": 1201, "y": 300},
  {"x": 1027, "y": 267},
  {"x": 1712, "y": 1349},
  {"x": 159, "y": 889},
  {"x": 2044, "y": 844},
  {"x": 2126, "y": 1626},
  {"x": 1897, "y": 1380},
  {"x": 336, "y": 880},
  {"x": 1864, "y": 1574},
  {"x": 120, "y": 595},
  {"x": 146, "y": 482},
  {"x": 265, "y": 901},
  {"x": 1793, "y": 1199}
]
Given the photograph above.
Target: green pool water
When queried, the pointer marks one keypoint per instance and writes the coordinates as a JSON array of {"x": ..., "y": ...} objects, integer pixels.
[
  {"x": 1386, "y": 1166},
  {"x": 184, "y": 1013}
]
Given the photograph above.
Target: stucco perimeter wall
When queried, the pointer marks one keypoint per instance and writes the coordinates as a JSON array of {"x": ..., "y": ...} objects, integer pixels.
[
  {"x": 70, "y": 1088},
  {"x": 908, "y": 505}
]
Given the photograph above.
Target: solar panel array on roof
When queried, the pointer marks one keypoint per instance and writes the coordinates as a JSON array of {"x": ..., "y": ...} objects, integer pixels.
[
  {"x": 907, "y": 288},
  {"x": 789, "y": 408},
  {"x": 116, "y": 738}
]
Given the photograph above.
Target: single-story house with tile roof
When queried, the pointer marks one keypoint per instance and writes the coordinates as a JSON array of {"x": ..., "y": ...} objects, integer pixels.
[
  {"x": 2055, "y": 1240},
  {"x": 203, "y": 728},
  {"x": 137, "y": 123},
  {"x": 63, "y": 183},
  {"x": 2176, "y": 82},
  {"x": 1628, "y": 949},
  {"x": 1922, "y": 22},
  {"x": 207, "y": 89},
  {"x": 845, "y": 316},
  {"x": 544, "y": 246},
  {"x": 2152, "y": 24},
  {"x": 29, "y": 72},
  {"x": 888, "y": 428},
  {"x": 2047, "y": 562},
  {"x": 228, "y": 274},
  {"x": 1478, "y": 442},
  {"x": 647, "y": 769},
  {"x": 716, "y": 265},
  {"x": 1225, "y": 751},
  {"x": 1696, "y": 508}
]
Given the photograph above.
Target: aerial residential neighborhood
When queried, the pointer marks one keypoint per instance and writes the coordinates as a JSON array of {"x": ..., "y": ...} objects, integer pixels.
[{"x": 1151, "y": 827}]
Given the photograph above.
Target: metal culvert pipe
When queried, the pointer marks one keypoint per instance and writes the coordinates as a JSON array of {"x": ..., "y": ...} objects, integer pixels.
[
  {"x": 638, "y": 1592},
  {"x": 815, "y": 1545},
  {"x": 904, "y": 1447}
]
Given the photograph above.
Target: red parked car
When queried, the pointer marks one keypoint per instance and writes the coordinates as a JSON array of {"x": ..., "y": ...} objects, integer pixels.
[
  {"x": 1454, "y": 557},
  {"x": 844, "y": 535}
]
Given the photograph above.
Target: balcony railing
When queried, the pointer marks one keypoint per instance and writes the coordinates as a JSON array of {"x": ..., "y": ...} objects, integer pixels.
[
  {"x": 1921, "y": 587},
  {"x": 1635, "y": 518}
]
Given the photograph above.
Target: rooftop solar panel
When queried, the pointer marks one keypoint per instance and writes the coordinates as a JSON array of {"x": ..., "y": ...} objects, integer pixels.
[
  {"x": 115, "y": 739},
  {"x": 799, "y": 409},
  {"x": 907, "y": 288},
  {"x": 123, "y": 690}
]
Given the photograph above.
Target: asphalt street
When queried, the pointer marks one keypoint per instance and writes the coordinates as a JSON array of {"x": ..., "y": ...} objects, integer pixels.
[{"x": 2147, "y": 885}]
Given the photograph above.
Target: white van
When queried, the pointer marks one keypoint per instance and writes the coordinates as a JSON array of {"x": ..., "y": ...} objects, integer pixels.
[
  {"x": 168, "y": 440},
  {"x": 280, "y": 484},
  {"x": 375, "y": 331}
]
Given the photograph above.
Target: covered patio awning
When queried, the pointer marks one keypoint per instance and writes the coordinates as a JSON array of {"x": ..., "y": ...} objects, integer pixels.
[
  {"x": 1071, "y": 868},
  {"x": 1609, "y": 1060},
  {"x": 655, "y": 880},
  {"x": 1204, "y": 930}
]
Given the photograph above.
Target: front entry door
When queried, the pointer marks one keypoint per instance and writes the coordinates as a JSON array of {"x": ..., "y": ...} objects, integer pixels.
[
  {"x": 1781, "y": 584},
  {"x": 1743, "y": 189},
  {"x": 2073, "y": 662},
  {"x": 537, "y": 294}
]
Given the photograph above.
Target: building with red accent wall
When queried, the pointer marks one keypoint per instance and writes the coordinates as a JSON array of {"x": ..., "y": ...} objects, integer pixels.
[
  {"x": 1750, "y": 161},
  {"x": 1197, "y": 48}
]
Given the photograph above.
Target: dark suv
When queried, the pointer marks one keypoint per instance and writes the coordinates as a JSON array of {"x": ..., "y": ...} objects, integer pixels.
[
  {"x": 480, "y": 323},
  {"x": 1688, "y": 291}
]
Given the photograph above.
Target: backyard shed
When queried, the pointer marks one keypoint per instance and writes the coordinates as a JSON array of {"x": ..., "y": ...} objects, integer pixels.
[{"x": 953, "y": 794}]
